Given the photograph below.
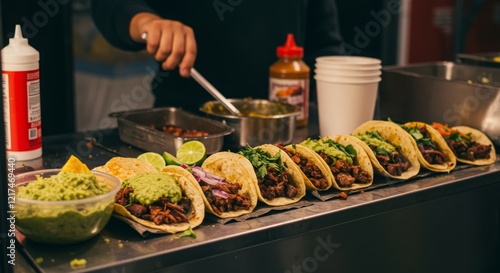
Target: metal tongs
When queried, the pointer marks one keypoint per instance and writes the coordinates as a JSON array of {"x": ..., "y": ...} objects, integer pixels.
[{"x": 209, "y": 87}]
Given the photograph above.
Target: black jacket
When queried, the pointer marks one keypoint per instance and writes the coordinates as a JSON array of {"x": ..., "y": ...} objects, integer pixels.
[{"x": 236, "y": 40}]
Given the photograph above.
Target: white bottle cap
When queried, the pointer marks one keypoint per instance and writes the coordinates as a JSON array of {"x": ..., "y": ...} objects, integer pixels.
[{"x": 18, "y": 50}]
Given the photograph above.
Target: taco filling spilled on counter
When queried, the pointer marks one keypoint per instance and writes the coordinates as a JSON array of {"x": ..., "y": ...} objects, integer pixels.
[
  {"x": 341, "y": 161},
  {"x": 220, "y": 194},
  {"x": 273, "y": 180},
  {"x": 154, "y": 197},
  {"x": 426, "y": 145},
  {"x": 310, "y": 168},
  {"x": 389, "y": 156}
]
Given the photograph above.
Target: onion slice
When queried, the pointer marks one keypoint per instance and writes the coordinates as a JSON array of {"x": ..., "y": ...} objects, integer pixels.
[
  {"x": 221, "y": 194},
  {"x": 204, "y": 176}
]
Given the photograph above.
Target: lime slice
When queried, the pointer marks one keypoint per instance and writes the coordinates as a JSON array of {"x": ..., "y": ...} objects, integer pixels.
[
  {"x": 191, "y": 152},
  {"x": 170, "y": 159},
  {"x": 153, "y": 158}
]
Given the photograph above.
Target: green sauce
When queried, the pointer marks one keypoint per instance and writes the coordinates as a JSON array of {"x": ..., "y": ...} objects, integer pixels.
[
  {"x": 330, "y": 148},
  {"x": 63, "y": 186},
  {"x": 373, "y": 138},
  {"x": 150, "y": 187}
]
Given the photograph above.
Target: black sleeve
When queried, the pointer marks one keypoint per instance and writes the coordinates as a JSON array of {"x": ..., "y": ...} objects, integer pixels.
[
  {"x": 322, "y": 30},
  {"x": 112, "y": 18}
]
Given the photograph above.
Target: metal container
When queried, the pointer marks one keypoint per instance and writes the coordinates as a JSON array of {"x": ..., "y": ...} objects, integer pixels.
[
  {"x": 135, "y": 128},
  {"x": 262, "y": 122},
  {"x": 445, "y": 92},
  {"x": 490, "y": 59}
]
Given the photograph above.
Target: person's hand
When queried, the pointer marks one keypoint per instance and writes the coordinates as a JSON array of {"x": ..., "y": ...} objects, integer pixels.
[{"x": 170, "y": 42}]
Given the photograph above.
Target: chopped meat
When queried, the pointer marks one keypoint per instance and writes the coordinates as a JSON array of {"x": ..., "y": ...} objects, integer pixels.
[
  {"x": 161, "y": 212},
  {"x": 344, "y": 179},
  {"x": 276, "y": 184},
  {"x": 234, "y": 202},
  {"x": 471, "y": 150}
]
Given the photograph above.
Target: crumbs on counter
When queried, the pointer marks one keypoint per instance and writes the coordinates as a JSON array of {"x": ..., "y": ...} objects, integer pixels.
[
  {"x": 39, "y": 260},
  {"x": 78, "y": 262},
  {"x": 89, "y": 144},
  {"x": 106, "y": 240},
  {"x": 342, "y": 195}
]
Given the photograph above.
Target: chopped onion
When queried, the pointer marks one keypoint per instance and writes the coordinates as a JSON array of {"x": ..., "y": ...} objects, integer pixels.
[
  {"x": 206, "y": 177},
  {"x": 221, "y": 194}
]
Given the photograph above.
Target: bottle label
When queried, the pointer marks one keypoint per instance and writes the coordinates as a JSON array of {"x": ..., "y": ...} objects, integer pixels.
[
  {"x": 22, "y": 110},
  {"x": 291, "y": 91}
]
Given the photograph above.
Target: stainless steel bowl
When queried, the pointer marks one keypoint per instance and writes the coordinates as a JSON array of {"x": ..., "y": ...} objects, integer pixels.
[{"x": 262, "y": 122}]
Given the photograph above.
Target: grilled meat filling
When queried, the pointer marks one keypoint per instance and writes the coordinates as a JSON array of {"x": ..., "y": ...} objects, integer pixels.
[
  {"x": 428, "y": 149},
  {"x": 311, "y": 170},
  {"x": 469, "y": 150},
  {"x": 346, "y": 174},
  {"x": 275, "y": 184},
  {"x": 234, "y": 202},
  {"x": 161, "y": 212}
]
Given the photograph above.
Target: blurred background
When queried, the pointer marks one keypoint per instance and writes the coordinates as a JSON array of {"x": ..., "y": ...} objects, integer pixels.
[{"x": 83, "y": 78}]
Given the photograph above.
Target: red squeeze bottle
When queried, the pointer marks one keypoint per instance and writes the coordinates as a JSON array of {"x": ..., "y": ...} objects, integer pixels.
[{"x": 289, "y": 79}]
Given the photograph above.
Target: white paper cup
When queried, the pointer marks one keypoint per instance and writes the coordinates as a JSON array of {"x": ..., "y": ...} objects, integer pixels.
[
  {"x": 343, "y": 79},
  {"x": 342, "y": 107},
  {"x": 350, "y": 67},
  {"x": 347, "y": 73},
  {"x": 351, "y": 60}
]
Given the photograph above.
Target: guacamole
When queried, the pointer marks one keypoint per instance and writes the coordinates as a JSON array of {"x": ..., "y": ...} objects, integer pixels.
[
  {"x": 374, "y": 138},
  {"x": 150, "y": 187},
  {"x": 63, "y": 186},
  {"x": 332, "y": 149}
]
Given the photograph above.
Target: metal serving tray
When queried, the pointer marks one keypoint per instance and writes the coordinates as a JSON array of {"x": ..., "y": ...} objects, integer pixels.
[
  {"x": 445, "y": 92},
  {"x": 489, "y": 59},
  {"x": 134, "y": 127}
]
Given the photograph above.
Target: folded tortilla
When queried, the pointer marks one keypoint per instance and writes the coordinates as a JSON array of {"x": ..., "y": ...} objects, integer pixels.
[
  {"x": 396, "y": 136},
  {"x": 310, "y": 156},
  {"x": 440, "y": 143},
  {"x": 480, "y": 138},
  {"x": 293, "y": 172},
  {"x": 235, "y": 169},
  {"x": 196, "y": 214},
  {"x": 125, "y": 167},
  {"x": 362, "y": 160}
]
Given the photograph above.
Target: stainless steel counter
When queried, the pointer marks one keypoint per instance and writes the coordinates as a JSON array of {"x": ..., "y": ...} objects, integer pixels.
[{"x": 435, "y": 223}]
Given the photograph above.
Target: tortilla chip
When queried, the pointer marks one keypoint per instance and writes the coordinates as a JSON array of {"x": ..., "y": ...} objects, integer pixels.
[
  {"x": 237, "y": 169},
  {"x": 74, "y": 165},
  {"x": 441, "y": 145},
  {"x": 395, "y": 135},
  {"x": 195, "y": 216},
  {"x": 125, "y": 167},
  {"x": 362, "y": 160}
]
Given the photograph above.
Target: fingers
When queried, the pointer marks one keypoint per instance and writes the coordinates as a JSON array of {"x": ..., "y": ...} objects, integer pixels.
[{"x": 172, "y": 43}]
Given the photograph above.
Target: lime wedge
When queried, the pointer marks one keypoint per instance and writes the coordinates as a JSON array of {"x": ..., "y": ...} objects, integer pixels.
[
  {"x": 170, "y": 159},
  {"x": 153, "y": 158},
  {"x": 191, "y": 152}
]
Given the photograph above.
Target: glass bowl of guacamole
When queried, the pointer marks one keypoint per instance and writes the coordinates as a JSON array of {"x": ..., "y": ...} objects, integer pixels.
[{"x": 63, "y": 208}]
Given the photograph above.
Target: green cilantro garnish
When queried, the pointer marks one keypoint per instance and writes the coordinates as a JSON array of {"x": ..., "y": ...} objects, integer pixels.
[
  {"x": 187, "y": 233},
  {"x": 261, "y": 160},
  {"x": 419, "y": 138}
]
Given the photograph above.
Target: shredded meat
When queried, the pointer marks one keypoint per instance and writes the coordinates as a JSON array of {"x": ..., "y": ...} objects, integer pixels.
[
  {"x": 394, "y": 163},
  {"x": 276, "y": 184},
  {"x": 161, "y": 212},
  {"x": 469, "y": 150}
]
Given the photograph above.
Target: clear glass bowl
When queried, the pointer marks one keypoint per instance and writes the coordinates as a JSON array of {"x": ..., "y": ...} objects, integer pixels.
[{"x": 64, "y": 222}]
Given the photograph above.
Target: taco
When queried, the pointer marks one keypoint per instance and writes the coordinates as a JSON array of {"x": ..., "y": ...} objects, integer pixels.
[
  {"x": 315, "y": 173},
  {"x": 432, "y": 151},
  {"x": 346, "y": 161},
  {"x": 167, "y": 200},
  {"x": 389, "y": 148},
  {"x": 469, "y": 145},
  {"x": 125, "y": 167},
  {"x": 279, "y": 181},
  {"x": 227, "y": 184}
]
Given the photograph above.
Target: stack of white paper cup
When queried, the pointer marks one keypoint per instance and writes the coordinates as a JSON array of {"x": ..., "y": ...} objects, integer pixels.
[{"x": 347, "y": 89}]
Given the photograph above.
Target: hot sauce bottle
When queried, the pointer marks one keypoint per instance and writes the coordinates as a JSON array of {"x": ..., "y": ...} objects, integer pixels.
[{"x": 289, "y": 79}]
